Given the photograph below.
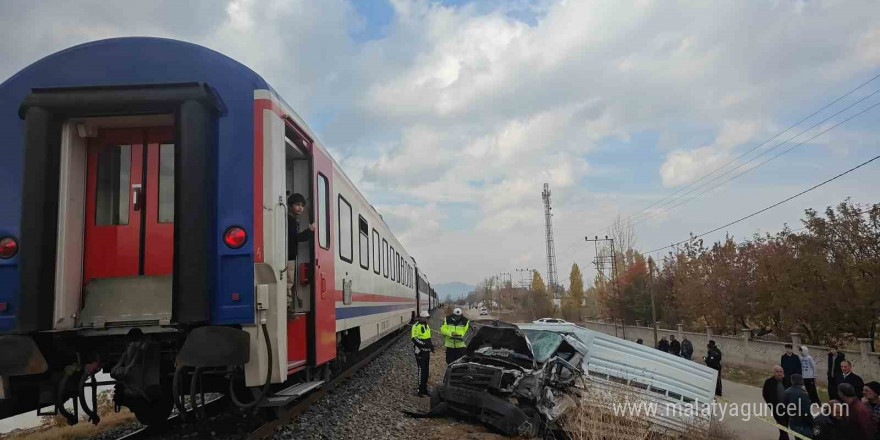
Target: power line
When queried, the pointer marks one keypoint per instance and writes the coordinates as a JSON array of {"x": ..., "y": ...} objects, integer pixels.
[
  {"x": 658, "y": 211},
  {"x": 771, "y": 206},
  {"x": 760, "y": 164},
  {"x": 758, "y": 146},
  {"x": 792, "y": 231}
]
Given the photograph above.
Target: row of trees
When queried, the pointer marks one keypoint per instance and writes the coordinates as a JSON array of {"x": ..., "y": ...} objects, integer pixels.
[{"x": 820, "y": 280}]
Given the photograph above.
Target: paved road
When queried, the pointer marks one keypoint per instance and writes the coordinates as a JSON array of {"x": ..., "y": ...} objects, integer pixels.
[
  {"x": 753, "y": 429},
  {"x": 475, "y": 314}
]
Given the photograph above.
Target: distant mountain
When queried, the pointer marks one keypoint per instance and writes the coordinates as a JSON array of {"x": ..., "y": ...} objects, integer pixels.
[{"x": 454, "y": 289}]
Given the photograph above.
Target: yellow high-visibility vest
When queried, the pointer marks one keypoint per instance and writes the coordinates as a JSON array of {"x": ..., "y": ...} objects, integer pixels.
[
  {"x": 420, "y": 331},
  {"x": 449, "y": 329}
]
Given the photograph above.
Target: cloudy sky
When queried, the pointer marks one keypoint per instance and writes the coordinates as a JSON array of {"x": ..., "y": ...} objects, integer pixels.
[{"x": 450, "y": 115}]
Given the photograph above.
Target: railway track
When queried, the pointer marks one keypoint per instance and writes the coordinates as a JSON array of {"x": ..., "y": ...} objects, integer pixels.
[
  {"x": 212, "y": 407},
  {"x": 266, "y": 430}
]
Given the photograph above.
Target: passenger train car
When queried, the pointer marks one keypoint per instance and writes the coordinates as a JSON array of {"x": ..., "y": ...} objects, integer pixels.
[{"x": 144, "y": 234}]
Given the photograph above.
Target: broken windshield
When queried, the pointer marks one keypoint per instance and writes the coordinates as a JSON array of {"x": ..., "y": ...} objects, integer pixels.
[{"x": 544, "y": 343}]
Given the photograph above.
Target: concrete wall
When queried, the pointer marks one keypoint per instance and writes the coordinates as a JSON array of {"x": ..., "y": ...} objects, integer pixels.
[{"x": 740, "y": 351}]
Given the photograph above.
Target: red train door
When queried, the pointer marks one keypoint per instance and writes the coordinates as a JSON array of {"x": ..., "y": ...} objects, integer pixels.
[
  {"x": 129, "y": 203},
  {"x": 324, "y": 285},
  {"x": 159, "y": 215}
]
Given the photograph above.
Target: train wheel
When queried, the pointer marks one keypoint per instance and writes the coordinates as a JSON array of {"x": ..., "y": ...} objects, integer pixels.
[{"x": 152, "y": 413}]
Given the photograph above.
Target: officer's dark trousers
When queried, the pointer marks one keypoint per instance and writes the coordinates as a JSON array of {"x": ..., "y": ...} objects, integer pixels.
[
  {"x": 718, "y": 384},
  {"x": 422, "y": 363},
  {"x": 452, "y": 354}
]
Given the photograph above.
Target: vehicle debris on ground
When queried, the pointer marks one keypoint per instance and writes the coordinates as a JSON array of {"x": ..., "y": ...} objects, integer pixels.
[{"x": 523, "y": 379}]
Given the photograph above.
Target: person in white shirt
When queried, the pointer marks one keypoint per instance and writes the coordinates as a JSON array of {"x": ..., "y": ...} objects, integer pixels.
[{"x": 808, "y": 369}]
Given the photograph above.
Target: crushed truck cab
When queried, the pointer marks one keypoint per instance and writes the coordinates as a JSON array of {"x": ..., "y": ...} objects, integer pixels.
[{"x": 510, "y": 383}]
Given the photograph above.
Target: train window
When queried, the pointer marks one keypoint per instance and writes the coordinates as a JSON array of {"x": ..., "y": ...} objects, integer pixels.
[
  {"x": 384, "y": 260},
  {"x": 113, "y": 181},
  {"x": 323, "y": 215},
  {"x": 166, "y": 183},
  {"x": 399, "y": 268},
  {"x": 377, "y": 251},
  {"x": 364, "y": 242},
  {"x": 345, "y": 239},
  {"x": 391, "y": 261}
]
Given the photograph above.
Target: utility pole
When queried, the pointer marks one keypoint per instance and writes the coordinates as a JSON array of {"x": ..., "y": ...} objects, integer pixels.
[
  {"x": 615, "y": 281},
  {"x": 522, "y": 277},
  {"x": 651, "y": 291},
  {"x": 551, "y": 248}
]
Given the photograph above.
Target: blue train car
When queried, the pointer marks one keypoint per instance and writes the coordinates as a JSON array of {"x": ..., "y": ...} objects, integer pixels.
[{"x": 145, "y": 234}]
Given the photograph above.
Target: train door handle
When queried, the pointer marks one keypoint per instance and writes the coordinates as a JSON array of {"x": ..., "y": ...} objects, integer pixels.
[
  {"x": 136, "y": 192},
  {"x": 323, "y": 284}
]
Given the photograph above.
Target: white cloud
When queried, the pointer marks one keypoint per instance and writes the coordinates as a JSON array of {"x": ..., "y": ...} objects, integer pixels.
[
  {"x": 685, "y": 166},
  {"x": 471, "y": 106}
]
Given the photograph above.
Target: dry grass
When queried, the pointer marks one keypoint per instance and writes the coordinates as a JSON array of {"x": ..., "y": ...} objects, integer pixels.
[
  {"x": 745, "y": 375},
  {"x": 81, "y": 430},
  {"x": 594, "y": 419}
]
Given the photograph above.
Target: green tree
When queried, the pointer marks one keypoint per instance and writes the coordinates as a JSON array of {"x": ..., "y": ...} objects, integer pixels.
[
  {"x": 541, "y": 303},
  {"x": 571, "y": 305}
]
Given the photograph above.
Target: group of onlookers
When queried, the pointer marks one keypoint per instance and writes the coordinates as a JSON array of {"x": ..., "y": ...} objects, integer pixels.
[
  {"x": 684, "y": 348},
  {"x": 791, "y": 391}
]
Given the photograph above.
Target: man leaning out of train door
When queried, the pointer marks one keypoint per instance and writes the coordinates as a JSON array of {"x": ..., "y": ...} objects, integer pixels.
[
  {"x": 453, "y": 329},
  {"x": 423, "y": 347},
  {"x": 296, "y": 205}
]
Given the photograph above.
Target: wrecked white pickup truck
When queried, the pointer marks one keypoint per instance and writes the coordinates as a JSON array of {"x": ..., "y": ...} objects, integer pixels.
[
  {"x": 520, "y": 379},
  {"x": 509, "y": 384}
]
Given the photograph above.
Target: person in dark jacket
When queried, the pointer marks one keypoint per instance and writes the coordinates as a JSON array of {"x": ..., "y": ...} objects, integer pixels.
[
  {"x": 791, "y": 364},
  {"x": 774, "y": 394},
  {"x": 713, "y": 361},
  {"x": 296, "y": 206},
  {"x": 798, "y": 403},
  {"x": 871, "y": 391},
  {"x": 847, "y": 376},
  {"x": 663, "y": 345},
  {"x": 674, "y": 346},
  {"x": 834, "y": 359},
  {"x": 687, "y": 348},
  {"x": 833, "y": 424},
  {"x": 859, "y": 415}
]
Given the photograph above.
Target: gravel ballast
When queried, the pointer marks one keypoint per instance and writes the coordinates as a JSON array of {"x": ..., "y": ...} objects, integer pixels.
[{"x": 370, "y": 405}]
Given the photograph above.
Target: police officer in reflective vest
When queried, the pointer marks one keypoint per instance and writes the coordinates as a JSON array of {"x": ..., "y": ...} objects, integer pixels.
[
  {"x": 423, "y": 347},
  {"x": 453, "y": 330}
]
